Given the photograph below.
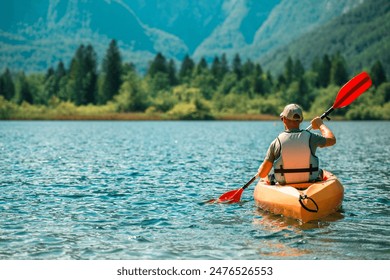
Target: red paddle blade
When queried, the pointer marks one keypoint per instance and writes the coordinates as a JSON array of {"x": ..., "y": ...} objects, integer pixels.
[
  {"x": 231, "y": 196},
  {"x": 352, "y": 90}
]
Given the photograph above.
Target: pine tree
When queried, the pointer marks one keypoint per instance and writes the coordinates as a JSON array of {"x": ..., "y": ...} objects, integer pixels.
[
  {"x": 248, "y": 68},
  {"x": 90, "y": 79},
  {"x": 158, "y": 65},
  {"x": 257, "y": 80},
  {"x": 378, "y": 74},
  {"x": 172, "y": 72},
  {"x": 324, "y": 71},
  {"x": 60, "y": 70},
  {"x": 83, "y": 76},
  {"x": 339, "y": 75},
  {"x": 289, "y": 71},
  {"x": 202, "y": 66},
  {"x": 158, "y": 73},
  {"x": 49, "y": 73},
  {"x": 7, "y": 86},
  {"x": 298, "y": 69},
  {"x": 75, "y": 82},
  {"x": 60, "y": 75},
  {"x": 215, "y": 68},
  {"x": 281, "y": 82},
  {"x": 24, "y": 93},
  {"x": 49, "y": 85},
  {"x": 224, "y": 66},
  {"x": 268, "y": 82},
  {"x": 303, "y": 97},
  {"x": 237, "y": 66},
  {"x": 219, "y": 67},
  {"x": 112, "y": 71},
  {"x": 186, "y": 69}
]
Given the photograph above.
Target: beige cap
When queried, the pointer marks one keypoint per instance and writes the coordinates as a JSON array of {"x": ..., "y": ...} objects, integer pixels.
[{"x": 292, "y": 112}]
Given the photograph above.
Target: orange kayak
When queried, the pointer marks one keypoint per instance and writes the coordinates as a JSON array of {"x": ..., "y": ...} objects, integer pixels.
[{"x": 305, "y": 201}]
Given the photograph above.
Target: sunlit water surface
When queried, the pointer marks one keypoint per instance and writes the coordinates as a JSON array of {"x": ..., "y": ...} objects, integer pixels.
[{"x": 136, "y": 190}]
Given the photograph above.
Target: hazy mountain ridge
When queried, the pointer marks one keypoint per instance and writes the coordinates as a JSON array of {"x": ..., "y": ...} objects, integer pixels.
[
  {"x": 361, "y": 35},
  {"x": 291, "y": 19},
  {"x": 38, "y": 35}
]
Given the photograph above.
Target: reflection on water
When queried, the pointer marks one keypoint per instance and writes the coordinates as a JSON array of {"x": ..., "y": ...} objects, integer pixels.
[
  {"x": 273, "y": 222},
  {"x": 289, "y": 228}
]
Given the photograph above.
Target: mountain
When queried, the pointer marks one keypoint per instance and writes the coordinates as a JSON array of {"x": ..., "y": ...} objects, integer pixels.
[
  {"x": 191, "y": 21},
  {"x": 361, "y": 35},
  {"x": 241, "y": 21},
  {"x": 37, "y": 34},
  {"x": 55, "y": 28},
  {"x": 295, "y": 18}
]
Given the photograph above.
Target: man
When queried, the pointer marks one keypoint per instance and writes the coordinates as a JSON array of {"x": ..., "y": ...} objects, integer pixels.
[{"x": 292, "y": 153}]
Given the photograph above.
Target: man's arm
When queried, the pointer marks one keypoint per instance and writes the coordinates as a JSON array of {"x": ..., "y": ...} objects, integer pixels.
[
  {"x": 267, "y": 164},
  {"x": 264, "y": 169},
  {"x": 317, "y": 123}
]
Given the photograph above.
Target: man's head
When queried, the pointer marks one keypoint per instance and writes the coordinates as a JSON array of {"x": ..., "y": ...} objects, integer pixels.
[
  {"x": 292, "y": 116},
  {"x": 292, "y": 112}
]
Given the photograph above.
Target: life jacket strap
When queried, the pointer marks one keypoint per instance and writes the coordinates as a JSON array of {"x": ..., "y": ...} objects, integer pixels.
[{"x": 281, "y": 170}]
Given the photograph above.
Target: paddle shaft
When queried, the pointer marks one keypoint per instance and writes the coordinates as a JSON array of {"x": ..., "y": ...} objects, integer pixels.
[
  {"x": 249, "y": 182},
  {"x": 323, "y": 116}
]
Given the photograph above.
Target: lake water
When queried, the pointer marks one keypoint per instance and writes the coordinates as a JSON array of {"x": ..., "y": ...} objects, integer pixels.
[{"x": 136, "y": 190}]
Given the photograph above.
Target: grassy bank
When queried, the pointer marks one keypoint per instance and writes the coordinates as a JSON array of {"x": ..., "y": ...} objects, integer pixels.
[
  {"x": 373, "y": 105},
  {"x": 68, "y": 111}
]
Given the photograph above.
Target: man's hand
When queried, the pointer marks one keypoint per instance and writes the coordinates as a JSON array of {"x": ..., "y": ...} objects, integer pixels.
[{"x": 316, "y": 123}]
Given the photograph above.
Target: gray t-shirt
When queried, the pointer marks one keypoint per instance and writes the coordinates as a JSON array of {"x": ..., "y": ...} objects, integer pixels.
[{"x": 273, "y": 152}]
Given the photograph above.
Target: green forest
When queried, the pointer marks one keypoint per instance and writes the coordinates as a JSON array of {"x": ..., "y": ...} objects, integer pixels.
[{"x": 186, "y": 90}]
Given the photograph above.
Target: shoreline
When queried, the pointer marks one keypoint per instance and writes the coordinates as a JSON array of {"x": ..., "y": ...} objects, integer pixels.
[
  {"x": 139, "y": 117},
  {"x": 153, "y": 117}
]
